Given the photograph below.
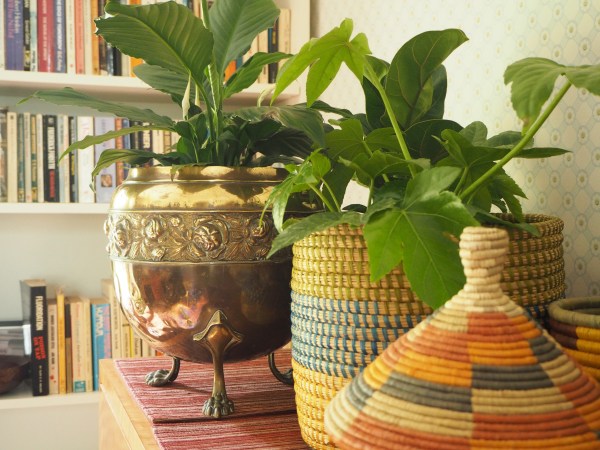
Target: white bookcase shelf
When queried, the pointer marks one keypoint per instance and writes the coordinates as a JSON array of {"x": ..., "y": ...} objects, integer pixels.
[{"x": 53, "y": 208}]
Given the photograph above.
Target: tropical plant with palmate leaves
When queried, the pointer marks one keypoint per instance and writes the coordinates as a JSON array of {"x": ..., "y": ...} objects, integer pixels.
[
  {"x": 186, "y": 57},
  {"x": 427, "y": 177}
]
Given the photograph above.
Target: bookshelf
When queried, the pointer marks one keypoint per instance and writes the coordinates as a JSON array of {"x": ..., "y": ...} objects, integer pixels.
[{"x": 65, "y": 243}]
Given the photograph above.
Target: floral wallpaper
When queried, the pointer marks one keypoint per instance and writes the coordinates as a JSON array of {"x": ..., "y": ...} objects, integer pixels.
[{"x": 501, "y": 32}]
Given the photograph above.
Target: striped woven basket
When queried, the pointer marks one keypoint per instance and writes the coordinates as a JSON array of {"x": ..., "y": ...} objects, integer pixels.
[
  {"x": 341, "y": 321},
  {"x": 575, "y": 324}
]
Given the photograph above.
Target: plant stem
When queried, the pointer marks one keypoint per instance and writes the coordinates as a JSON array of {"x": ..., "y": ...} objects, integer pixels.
[
  {"x": 520, "y": 145},
  {"x": 337, "y": 205},
  {"x": 323, "y": 198},
  {"x": 372, "y": 76}
]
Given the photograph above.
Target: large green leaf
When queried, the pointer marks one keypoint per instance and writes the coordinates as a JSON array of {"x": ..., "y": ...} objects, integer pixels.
[
  {"x": 163, "y": 34},
  {"x": 346, "y": 142},
  {"x": 297, "y": 117},
  {"x": 409, "y": 83},
  {"x": 130, "y": 156},
  {"x": 71, "y": 97},
  {"x": 164, "y": 80},
  {"x": 235, "y": 24},
  {"x": 325, "y": 56},
  {"x": 439, "y": 82},
  {"x": 533, "y": 81},
  {"x": 422, "y": 138}
]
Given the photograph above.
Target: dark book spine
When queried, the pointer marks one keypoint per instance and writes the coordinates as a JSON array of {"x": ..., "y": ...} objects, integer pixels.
[
  {"x": 73, "y": 181},
  {"x": 27, "y": 35},
  {"x": 3, "y": 155},
  {"x": 68, "y": 348},
  {"x": 273, "y": 47},
  {"x": 50, "y": 167},
  {"x": 35, "y": 311}
]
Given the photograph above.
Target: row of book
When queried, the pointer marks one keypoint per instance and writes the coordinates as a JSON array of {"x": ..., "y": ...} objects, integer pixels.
[
  {"x": 30, "y": 149},
  {"x": 59, "y": 36},
  {"x": 67, "y": 337}
]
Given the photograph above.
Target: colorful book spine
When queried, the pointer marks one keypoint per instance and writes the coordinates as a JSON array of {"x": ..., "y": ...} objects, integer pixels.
[
  {"x": 3, "y": 154},
  {"x": 50, "y": 166},
  {"x": 273, "y": 34},
  {"x": 14, "y": 34},
  {"x": 73, "y": 175},
  {"x": 20, "y": 158},
  {"x": 41, "y": 157},
  {"x": 12, "y": 160},
  {"x": 101, "y": 335},
  {"x": 27, "y": 34},
  {"x": 106, "y": 179},
  {"x": 60, "y": 36},
  {"x": 34, "y": 157},
  {"x": 46, "y": 31},
  {"x": 108, "y": 292},
  {"x": 52, "y": 347},
  {"x": 3, "y": 35},
  {"x": 33, "y": 47},
  {"x": 35, "y": 310},
  {"x": 61, "y": 341},
  {"x": 78, "y": 341},
  {"x": 27, "y": 155},
  {"x": 79, "y": 35}
]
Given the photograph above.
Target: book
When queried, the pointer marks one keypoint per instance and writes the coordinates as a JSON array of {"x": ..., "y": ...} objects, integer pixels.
[
  {"x": 284, "y": 34},
  {"x": 108, "y": 292},
  {"x": 33, "y": 44},
  {"x": 50, "y": 166},
  {"x": 27, "y": 34},
  {"x": 13, "y": 16},
  {"x": 94, "y": 38},
  {"x": 101, "y": 335},
  {"x": 3, "y": 154},
  {"x": 33, "y": 150},
  {"x": 60, "y": 45},
  {"x": 72, "y": 157},
  {"x": 106, "y": 180},
  {"x": 81, "y": 343},
  {"x": 87, "y": 19},
  {"x": 68, "y": 348},
  {"x": 273, "y": 46},
  {"x": 85, "y": 161},
  {"x": 263, "y": 46},
  {"x": 20, "y": 158},
  {"x": 52, "y": 347},
  {"x": 34, "y": 306},
  {"x": 27, "y": 156},
  {"x": 61, "y": 341},
  {"x": 12, "y": 163},
  {"x": 70, "y": 28},
  {"x": 78, "y": 35},
  {"x": 41, "y": 158},
  {"x": 2, "y": 36},
  {"x": 45, "y": 35},
  {"x": 64, "y": 167}
]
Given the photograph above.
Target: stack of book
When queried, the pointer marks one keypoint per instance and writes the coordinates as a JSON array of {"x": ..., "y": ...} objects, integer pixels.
[
  {"x": 58, "y": 36},
  {"x": 69, "y": 335},
  {"x": 31, "y": 145}
]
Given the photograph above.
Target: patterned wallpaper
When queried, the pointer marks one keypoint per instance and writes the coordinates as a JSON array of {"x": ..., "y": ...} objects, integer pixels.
[{"x": 501, "y": 32}]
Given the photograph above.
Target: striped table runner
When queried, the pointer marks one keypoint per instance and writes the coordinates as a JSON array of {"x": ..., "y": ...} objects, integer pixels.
[{"x": 265, "y": 411}]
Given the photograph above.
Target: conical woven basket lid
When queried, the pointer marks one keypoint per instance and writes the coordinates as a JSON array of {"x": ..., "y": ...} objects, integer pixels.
[{"x": 478, "y": 373}]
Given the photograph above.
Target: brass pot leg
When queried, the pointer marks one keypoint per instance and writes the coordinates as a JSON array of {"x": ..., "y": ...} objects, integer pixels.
[
  {"x": 218, "y": 337},
  {"x": 284, "y": 377},
  {"x": 162, "y": 377}
]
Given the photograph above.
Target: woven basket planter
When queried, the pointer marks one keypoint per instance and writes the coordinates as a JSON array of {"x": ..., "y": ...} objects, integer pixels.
[
  {"x": 341, "y": 321},
  {"x": 575, "y": 324},
  {"x": 478, "y": 373}
]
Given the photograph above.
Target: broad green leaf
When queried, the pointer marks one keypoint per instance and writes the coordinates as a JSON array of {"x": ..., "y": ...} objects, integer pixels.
[
  {"x": 166, "y": 29},
  {"x": 336, "y": 182},
  {"x": 285, "y": 142},
  {"x": 346, "y": 142},
  {"x": 71, "y": 97},
  {"x": 247, "y": 75},
  {"x": 475, "y": 133},
  {"x": 429, "y": 182},
  {"x": 164, "y": 80},
  {"x": 422, "y": 138},
  {"x": 506, "y": 139},
  {"x": 587, "y": 77},
  {"x": 312, "y": 224},
  {"x": 542, "y": 152},
  {"x": 409, "y": 83},
  {"x": 324, "y": 107},
  {"x": 297, "y": 117},
  {"x": 324, "y": 56},
  {"x": 89, "y": 141},
  {"x": 383, "y": 138},
  {"x": 235, "y": 24},
  {"x": 439, "y": 82}
]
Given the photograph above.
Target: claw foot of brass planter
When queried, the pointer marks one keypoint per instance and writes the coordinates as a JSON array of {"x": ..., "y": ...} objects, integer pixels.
[
  {"x": 218, "y": 337},
  {"x": 188, "y": 253}
]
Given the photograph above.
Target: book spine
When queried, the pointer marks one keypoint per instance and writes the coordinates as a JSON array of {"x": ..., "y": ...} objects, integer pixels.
[
  {"x": 12, "y": 160},
  {"x": 64, "y": 164},
  {"x": 87, "y": 353},
  {"x": 14, "y": 34},
  {"x": 33, "y": 132},
  {"x": 50, "y": 168},
  {"x": 45, "y": 33},
  {"x": 106, "y": 179},
  {"x": 27, "y": 156},
  {"x": 27, "y": 34},
  {"x": 108, "y": 291},
  {"x": 68, "y": 348},
  {"x": 87, "y": 19},
  {"x": 70, "y": 36},
  {"x": 273, "y": 46},
  {"x": 95, "y": 40},
  {"x": 60, "y": 47},
  {"x": 61, "y": 342},
  {"x": 79, "y": 35},
  {"x": 85, "y": 161},
  {"x": 284, "y": 34},
  {"x": 73, "y": 182},
  {"x": 119, "y": 167},
  {"x": 41, "y": 157},
  {"x": 52, "y": 348},
  {"x": 20, "y": 158},
  {"x": 101, "y": 337},
  {"x": 35, "y": 312},
  {"x": 33, "y": 46},
  {"x": 2, "y": 35},
  {"x": 3, "y": 154},
  {"x": 78, "y": 346},
  {"x": 263, "y": 47}
]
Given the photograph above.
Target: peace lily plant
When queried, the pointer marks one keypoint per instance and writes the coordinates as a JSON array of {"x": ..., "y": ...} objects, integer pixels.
[
  {"x": 185, "y": 57},
  {"x": 427, "y": 177}
]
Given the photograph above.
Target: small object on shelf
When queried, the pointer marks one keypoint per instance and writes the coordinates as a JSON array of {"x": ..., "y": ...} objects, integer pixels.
[
  {"x": 575, "y": 324},
  {"x": 13, "y": 370},
  {"x": 478, "y": 373}
]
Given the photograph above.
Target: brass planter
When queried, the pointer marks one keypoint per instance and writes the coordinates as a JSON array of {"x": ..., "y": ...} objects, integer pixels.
[{"x": 188, "y": 254}]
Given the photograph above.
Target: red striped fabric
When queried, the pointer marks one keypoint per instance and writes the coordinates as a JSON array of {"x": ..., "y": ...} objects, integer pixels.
[{"x": 265, "y": 411}]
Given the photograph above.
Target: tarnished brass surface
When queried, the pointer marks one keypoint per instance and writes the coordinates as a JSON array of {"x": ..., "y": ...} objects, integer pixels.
[{"x": 183, "y": 248}]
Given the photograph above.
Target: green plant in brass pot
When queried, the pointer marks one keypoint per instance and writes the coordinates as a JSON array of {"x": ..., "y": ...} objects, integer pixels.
[{"x": 186, "y": 240}]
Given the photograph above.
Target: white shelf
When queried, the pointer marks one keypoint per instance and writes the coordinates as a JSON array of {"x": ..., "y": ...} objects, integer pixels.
[
  {"x": 21, "y": 397},
  {"x": 22, "y": 84},
  {"x": 53, "y": 208}
]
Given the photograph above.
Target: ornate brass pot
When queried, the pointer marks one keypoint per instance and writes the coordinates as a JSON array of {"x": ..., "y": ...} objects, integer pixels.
[{"x": 188, "y": 254}]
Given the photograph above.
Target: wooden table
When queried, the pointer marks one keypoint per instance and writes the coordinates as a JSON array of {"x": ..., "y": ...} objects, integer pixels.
[{"x": 123, "y": 425}]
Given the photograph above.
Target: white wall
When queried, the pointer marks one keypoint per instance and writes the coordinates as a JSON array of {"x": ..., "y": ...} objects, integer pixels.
[{"x": 501, "y": 32}]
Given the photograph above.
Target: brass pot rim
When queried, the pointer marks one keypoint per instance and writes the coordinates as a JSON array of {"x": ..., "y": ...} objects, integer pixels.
[{"x": 206, "y": 173}]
